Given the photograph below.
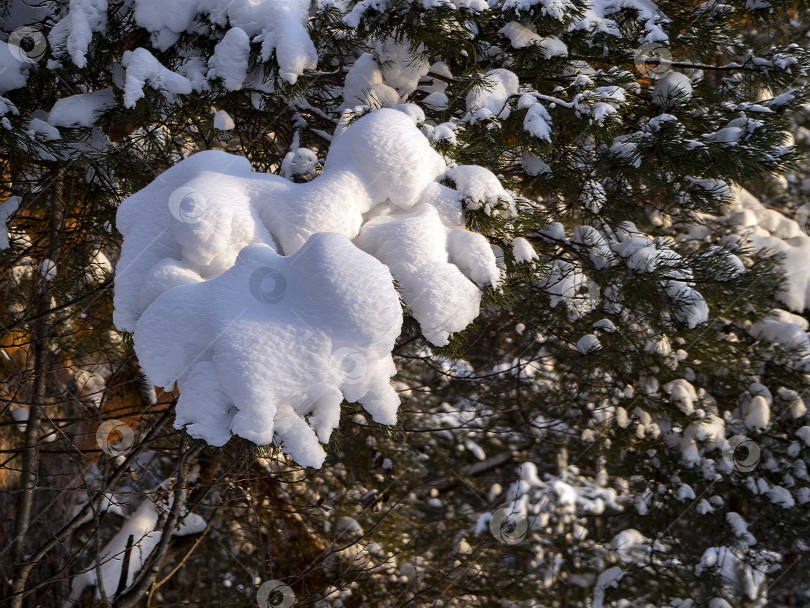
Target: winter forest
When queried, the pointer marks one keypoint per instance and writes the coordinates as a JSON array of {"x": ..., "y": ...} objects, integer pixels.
[{"x": 404, "y": 303}]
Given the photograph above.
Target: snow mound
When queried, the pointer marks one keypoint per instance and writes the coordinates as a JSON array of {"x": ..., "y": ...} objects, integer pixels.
[
  {"x": 269, "y": 348},
  {"x": 254, "y": 354}
]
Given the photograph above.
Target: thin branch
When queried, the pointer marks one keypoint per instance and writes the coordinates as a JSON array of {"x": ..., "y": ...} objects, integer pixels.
[
  {"x": 18, "y": 590},
  {"x": 150, "y": 571},
  {"x": 181, "y": 563},
  {"x": 122, "y": 580}
]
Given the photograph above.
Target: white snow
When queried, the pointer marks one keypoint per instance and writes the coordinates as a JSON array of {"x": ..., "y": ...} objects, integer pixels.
[
  {"x": 521, "y": 37},
  {"x": 81, "y": 110},
  {"x": 401, "y": 68},
  {"x": 538, "y": 122},
  {"x": 794, "y": 402},
  {"x": 605, "y": 325},
  {"x": 223, "y": 121},
  {"x": 490, "y": 100},
  {"x": 298, "y": 163},
  {"x": 767, "y": 229},
  {"x": 13, "y": 72},
  {"x": 672, "y": 89},
  {"x": 438, "y": 270},
  {"x": 608, "y": 578},
  {"x": 593, "y": 196},
  {"x": 523, "y": 250},
  {"x": 165, "y": 25},
  {"x": 733, "y": 573},
  {"x": 444, "y": 132},
  {"x": 596, "y": 18},
  {"x": 779, "y": 327},
  {"x": 710, "y": 431},
  {"x": 555, "y": 231},
  {"x": 626, "y": 150},
  {"x": 588, "y": 343},
  {"x": 478, "y": 186},
  {"x": 141, "y": 69},
  {"x": 556, "y": 9},
  {"x": 757, "y": 413},
  {"x": 740, "y": 529},
  {"x": 628, "y": 544},
  {"x": 599, "y": 250},
  {"x": 259, "y": 349},
  {"x": 685, "y": 492},
  {"x": 48, "y": 132},
  {"x": 437, "y": 100},
  {"x": 47, "y": 269},
  {"x": 234, "y": 290},
  {"x": 280, "y": 27},
  {"x": 75, "y": 31},
  {"x": 284, "y": 32},
  {"x": 7, "y": 209},
  {"x": 692, "y": 308},
  {"x": 565, "y": 284},
  {"x": 780, "y": 496},
  {"x": 364, "y": 85},
  {"x": 142, "y": 525},
  {"x": 230, "y": 59},
  {"x": 682, "y": 395}
]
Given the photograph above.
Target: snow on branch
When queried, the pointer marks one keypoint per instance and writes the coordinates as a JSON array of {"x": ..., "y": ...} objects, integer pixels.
[{"x": 269, "y": 302}]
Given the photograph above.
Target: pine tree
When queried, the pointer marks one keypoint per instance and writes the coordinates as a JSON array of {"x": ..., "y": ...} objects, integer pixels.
[{"x": 626, "y": 414}]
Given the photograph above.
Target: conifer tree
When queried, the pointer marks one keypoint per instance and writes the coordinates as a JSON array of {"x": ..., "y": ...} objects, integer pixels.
[{"x": 623, "y": 424}]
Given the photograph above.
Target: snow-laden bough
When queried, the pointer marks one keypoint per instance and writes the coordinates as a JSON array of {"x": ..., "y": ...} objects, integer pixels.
[{"x": 269, "y": 302}]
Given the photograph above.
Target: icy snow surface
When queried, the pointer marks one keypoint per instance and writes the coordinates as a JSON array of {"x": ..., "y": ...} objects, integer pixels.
[{"x": 269, "y": 302}]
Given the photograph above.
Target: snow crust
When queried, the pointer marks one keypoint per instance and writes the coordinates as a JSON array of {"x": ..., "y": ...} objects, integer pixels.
[{"x": 269, "y": 302}]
